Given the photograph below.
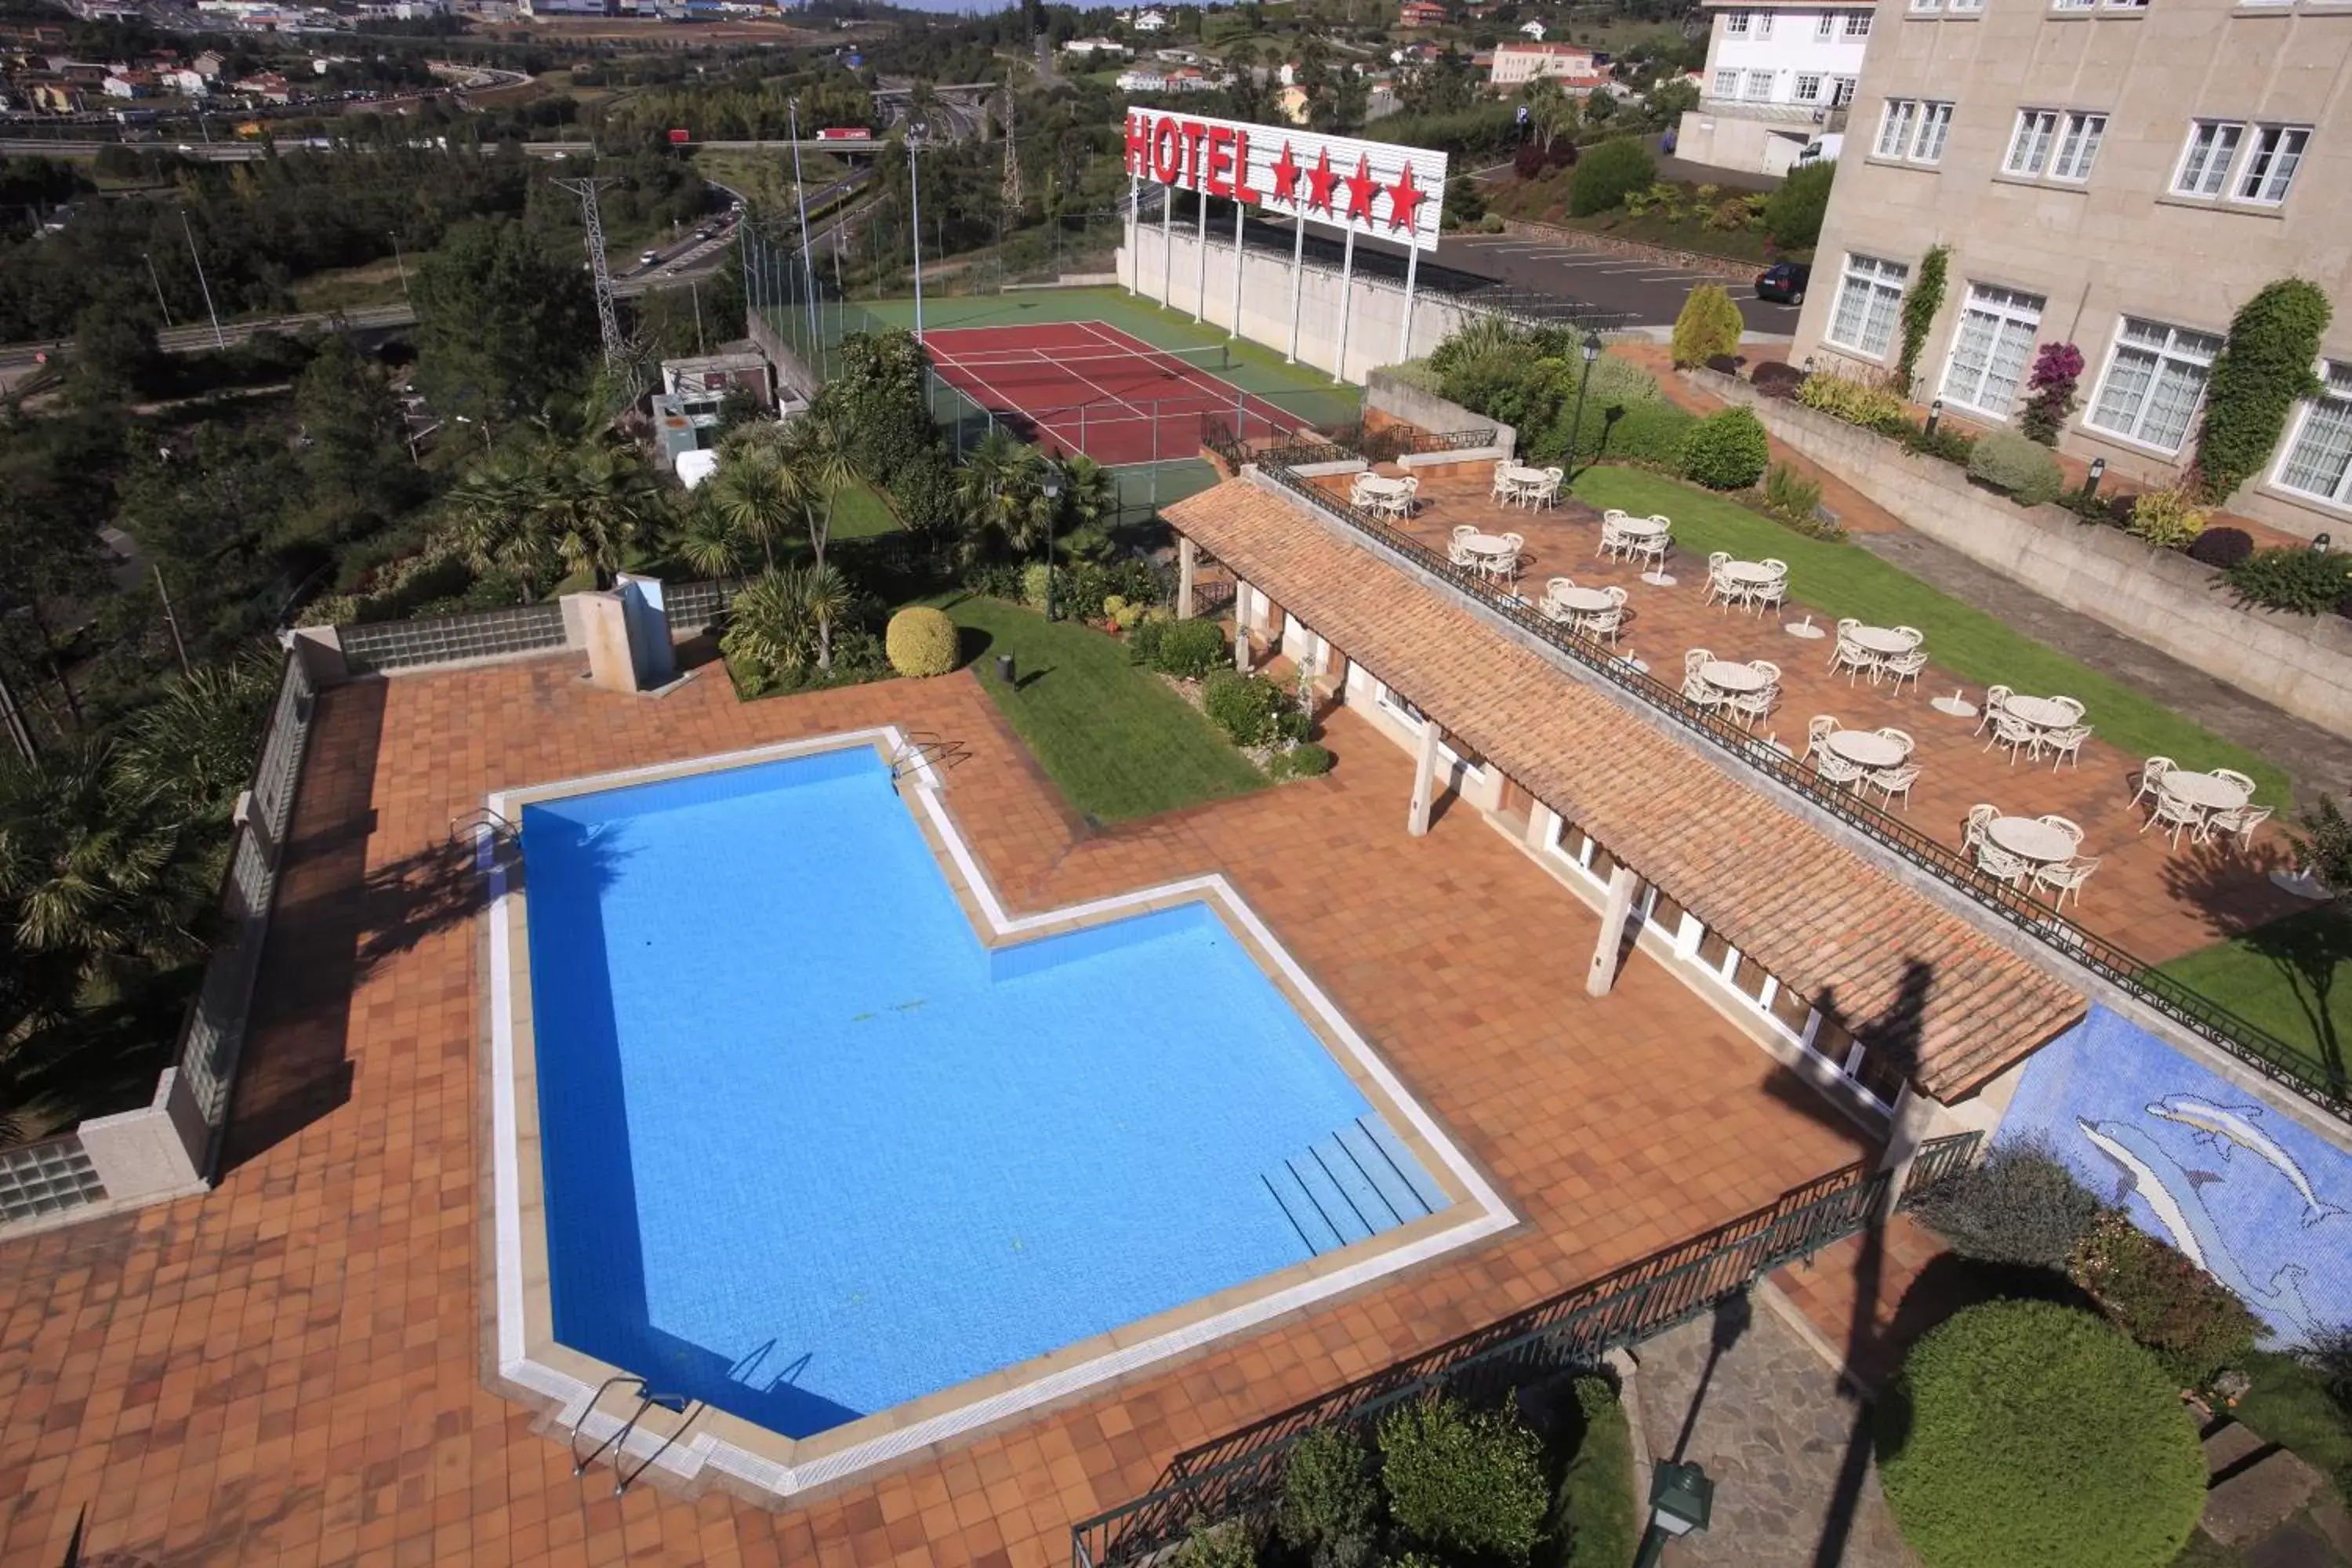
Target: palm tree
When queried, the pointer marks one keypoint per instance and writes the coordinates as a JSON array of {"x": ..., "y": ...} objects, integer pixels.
[
  {"x": 194, "y": 746},
  {"x": 769, "y": 624},
  {"x": 601, "y": 500},
  {"x": 760, "y": 497},
  {"x": 706, "y": 541},
  {"x": 821, "y": 455},
  {"x": 997, "y": 494},
  {"x": 497, "y": 518},
  {"x": 95, "y": 867},
  {"x": 826, "y": 595},
  {"x": 1089, "y": 493}
]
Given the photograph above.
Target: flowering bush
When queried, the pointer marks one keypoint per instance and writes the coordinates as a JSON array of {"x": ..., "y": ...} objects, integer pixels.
[{"x": 2057, "y": 370}]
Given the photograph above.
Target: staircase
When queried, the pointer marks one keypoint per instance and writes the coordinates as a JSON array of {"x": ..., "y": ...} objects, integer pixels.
[{"x": 1350, "y": 1185}]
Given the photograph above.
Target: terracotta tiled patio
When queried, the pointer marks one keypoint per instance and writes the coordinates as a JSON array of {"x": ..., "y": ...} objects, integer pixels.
[
  {"x": 290, "y": 1370},
  {"x": 2157, "y": 901}
]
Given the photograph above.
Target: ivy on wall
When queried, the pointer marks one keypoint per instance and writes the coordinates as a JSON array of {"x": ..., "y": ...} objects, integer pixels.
[
  {"x": 2265, "y": 369},
  {"x": 1920, "y": 304}
]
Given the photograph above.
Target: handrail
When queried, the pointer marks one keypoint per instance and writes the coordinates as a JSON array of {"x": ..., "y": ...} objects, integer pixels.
[
  {"x": 618, "y": 1439},
  {"x": 2210, "y": 1021},
  {"x": 1240, "y": 1473}
]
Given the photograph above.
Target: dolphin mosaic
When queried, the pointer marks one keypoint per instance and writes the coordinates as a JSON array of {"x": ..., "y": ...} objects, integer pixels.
[{"x": 2224, "y": 1128}]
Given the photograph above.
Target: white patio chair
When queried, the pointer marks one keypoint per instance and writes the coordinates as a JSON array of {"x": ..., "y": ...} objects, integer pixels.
[
  {"x": 2151, "y": 778},
  {"x": 2074, "y": 709},
  {"x": 1651, "y": 548},
  {"x": 1545, "y": 494},
  {"x": 1607, "y": 623},
  {"x": 1501, "y": 491},
  {"x": 1819, "y": 729},
  {"x": 2176, "y": 815},
  {"x": 1693, "y": 686},
  {"x": 1834, "y": 769},
  {"x": 1913, "y": 633},
  {"x": 1892, "y": 782},
  {"x": 1459, "y": 552},
  {"x": 1774, "y": 591},
  {"x": 1613, "y": 540},
  {"x": 2231, "y": 775},
  {"x": 1901, "y": 667},
  {"x": 1662, "y": 520},
  {"x": 2065, "y": 877},
  {"x": 1718, "y": 584},
  {"x": 2066, "y": 745},
  {"x": 2001, "y": 864},
  {"x": 1996, "y": 698},
  {"x": 1551, "y": 604},
  {"x": 1754, "y": 707},
  {"x": 2016, "y": 734},
  {"x": 2239, "y": 821},
  {"x": 1973, "y": 825},
  {"x": 1361, "y": 494},
  {"x": 2072, "y": 830}
]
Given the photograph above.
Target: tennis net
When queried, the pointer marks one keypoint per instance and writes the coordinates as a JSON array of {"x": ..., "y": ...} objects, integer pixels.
[{"x": 1002, "y": 367}]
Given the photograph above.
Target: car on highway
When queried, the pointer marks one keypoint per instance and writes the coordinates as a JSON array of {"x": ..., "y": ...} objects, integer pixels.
[
  {"x": 647, "y": 258},
  {"x": 1784, "y": 282},
  {"x": 702, "y": 233}
]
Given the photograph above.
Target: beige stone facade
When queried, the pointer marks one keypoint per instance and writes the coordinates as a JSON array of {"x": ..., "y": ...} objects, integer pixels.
[{"x": 2121, "y": 177}]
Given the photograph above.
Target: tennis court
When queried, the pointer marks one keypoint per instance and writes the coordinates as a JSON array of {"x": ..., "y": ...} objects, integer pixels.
[{"x": 1084, "y": 386}]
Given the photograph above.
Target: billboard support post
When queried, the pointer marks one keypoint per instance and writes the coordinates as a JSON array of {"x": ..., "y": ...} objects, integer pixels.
[
  {"x": 1297, "y": 270},
  {"x": 1404, "y": 326},
  {"x": 1347, "y": 299}
]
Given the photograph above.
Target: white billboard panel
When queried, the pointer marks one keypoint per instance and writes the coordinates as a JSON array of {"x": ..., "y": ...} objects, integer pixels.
[{"x": 1375, "y": 188}]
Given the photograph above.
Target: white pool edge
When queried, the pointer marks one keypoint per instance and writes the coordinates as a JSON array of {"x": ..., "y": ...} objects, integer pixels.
[{"x": 685, "y": 1459}]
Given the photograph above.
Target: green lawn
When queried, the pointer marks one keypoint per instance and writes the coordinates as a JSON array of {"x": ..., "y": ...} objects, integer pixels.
[
  {"x": 859, "y": 513},
  {"x": 1117, "y": 740},
  {"x": 2294, "y": 977},
  {"x": 1595, "y": 1522},
  {"x": 1840, "y": 579}
]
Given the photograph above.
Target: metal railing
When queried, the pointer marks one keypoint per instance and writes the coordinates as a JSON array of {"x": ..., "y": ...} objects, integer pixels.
[
  {"x": 1240, "y": 1475},
  {"x": 1449, "y": 440},
  {"x": 2143, "y": 982},
  {"x": 1938, "y": 1160}
]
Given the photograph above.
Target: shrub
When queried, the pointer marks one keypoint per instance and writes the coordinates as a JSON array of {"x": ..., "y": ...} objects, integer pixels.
[
  {"x": 1855, "y": 402},
  {"x": 1247, "y": 708},
  {"x": 1330, "y": 1506},
  {"x": 1491, "y": 224},
  {"x": 2020, "y": 1206},
  {"x": 2006, "y": 460},
  {"x": 1596, "y": 1517},
  {"x": 1708, "y": 326},
  {"x": 1036, "y": 583},
  {"x": 1952, "y": 446},
  {"x": 1226, "y": 1545},
  {"x": 2222, "y": 547},
  {"x": 2192, "y": 1322},
  {"x": 1792, "y": 497},
  {"x": 1528, "y": 163},
  {"x": 2025, "y": 1434},
  {"x": 1304, "y": 760},
  {"x": 2262, "y": 371},
  {"x": 2322, "y": 842},
  {"x": 921, "y": 641},
  {"x": 1191, "y": 649},
  {"x": 1727, "y": 450},
  {"x": 2291, "y": 577},
  {"x": 1920, "y": 303},
  {"x": 1606, "y": 173},
  {"x": 1793, "y": 215},
  {"x": 1143, "y": 642},
  {"x": 2057, "y": 367},
  {"x": 1463, "y": 1481},
  {"x": 1774, "y": 378},
  {"x": 2167, "y": 519}
]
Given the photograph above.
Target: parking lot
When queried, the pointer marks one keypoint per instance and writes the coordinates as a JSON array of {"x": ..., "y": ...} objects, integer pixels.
[{"x": 1650, "y": 292}]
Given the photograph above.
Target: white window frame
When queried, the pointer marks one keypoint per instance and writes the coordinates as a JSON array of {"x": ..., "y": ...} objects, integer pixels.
[
  {"x": 2080, "y": 136},
  {"x": 1763, "y": 26},
  {"x": 1748, "y": 86},
  {"x": 1735, "y": 24},
  {"x": 1926, "y": 6},
  {"x": 1960, "y": 6},
  {"x": 1727, "y": 92},
  {"x": 2228, "y": 136},
  {"x": 2172, "y": 352},
  {"x": 1857, "y": 24},
  {"x": 2335, "y": 401},
  {"x": 2030, "y": 141},
  {"x": 1898, "y": 123},
  {"x": 1807, "y": 89},
  {"x": 1999, "y": 303},
  {"x": 1841, "y": 91},
  {"x": 1824, "y": 25},
  {"x": 1936, "y": 123},
  {"x": 1872, "y": 273},
  {"x": 1913, "y": 130},
  {"x": 2074, "y": 5},
  {"x": 2265, "y": 150}
]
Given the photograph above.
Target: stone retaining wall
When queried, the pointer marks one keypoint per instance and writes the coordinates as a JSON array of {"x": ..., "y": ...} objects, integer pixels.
[
  {"x": 1427, "y": 411},
  {"x": 2302, "y": 664}
]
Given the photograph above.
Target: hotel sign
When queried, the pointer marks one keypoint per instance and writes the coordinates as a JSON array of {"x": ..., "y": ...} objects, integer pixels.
[{"x": 1374, "y": 188}]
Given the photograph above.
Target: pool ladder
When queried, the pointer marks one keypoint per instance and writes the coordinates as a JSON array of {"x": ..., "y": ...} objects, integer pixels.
[
  {"x": 471, "y": 826},
  {"x": 623, "y": 1477},
  {"x": 917, "y": 748}
]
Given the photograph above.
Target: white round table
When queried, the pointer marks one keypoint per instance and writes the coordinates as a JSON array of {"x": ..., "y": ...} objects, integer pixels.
[
  {"x": 1868, "y": 748},
  {"x": 1639, "y": 527},
  {"x": 1881, "y": 640},
  {"x": 2207, "y": 792},
  {"x": 1516, "y": 475},
  {"x": 2029, "y": 840},
  {"x": 1725, "y": 676},
  {"x": 1584, "y": 601},
  {"x": 2040, "y": 710},
  {"x": 1378, "y": 485},
  {"x": 1749, "y": 571}
]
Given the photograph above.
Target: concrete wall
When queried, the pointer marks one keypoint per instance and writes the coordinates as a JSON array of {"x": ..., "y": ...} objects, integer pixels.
[
  {"x": 1427, "y": 411},
  {"x": 2249, "y": 1181},
  {"x": 2299, "y": 663},
  {"x": 155, "y": 1151},
  {"x": 1171, "y": 274},
  {"x": 1727, "y": 140}
]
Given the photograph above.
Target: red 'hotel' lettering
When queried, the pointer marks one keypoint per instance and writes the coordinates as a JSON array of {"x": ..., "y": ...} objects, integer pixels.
[
  {"x": 1194, "y": 134},
  {"x": 1167, "y": 153},
  {"x": 1139, "y": 145},
  {"x": 1243, "y": 190},
  {"x": 1220, "y": 160}
]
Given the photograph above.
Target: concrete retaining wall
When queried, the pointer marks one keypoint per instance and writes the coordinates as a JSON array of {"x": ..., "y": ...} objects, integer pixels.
[
  {"x": 1172, "y": 274},
  {"x": 1427, "y": 411},
  {"x": 2302, "y": 664}
]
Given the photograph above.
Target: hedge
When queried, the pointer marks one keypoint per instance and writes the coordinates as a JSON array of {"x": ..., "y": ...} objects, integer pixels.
[
  {"x": 2025, "y": 1434},
  {"x": 2026, "y": 469},
  {"x": 1727, "y": 450},
  {"x": 921, "y": 641},
  {"x": 1606, "y": 173}
]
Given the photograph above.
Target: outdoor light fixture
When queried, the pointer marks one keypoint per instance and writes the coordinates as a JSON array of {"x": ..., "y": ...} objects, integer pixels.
[
  {"x": 1681, "y": 1500},
  {"x": 2319, "y": 544},
  {"x": 1934, "y": 415},
  {"x": 1591, "y": 347},
  {"x": 1809, "y": 364},
  {"x": 1050, "y": 487},
  {"x": 1576, "y": 427},
  {"x": 2098, "y": 472}
]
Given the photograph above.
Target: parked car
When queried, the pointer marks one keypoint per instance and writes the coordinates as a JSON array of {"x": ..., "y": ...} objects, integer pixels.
[{"x": 1784, "y": 282}]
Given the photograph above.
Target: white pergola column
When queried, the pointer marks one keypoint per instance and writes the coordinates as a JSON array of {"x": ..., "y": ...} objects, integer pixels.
[
  {"x": 1187, "y": 563},
  {"x": 1603, "y": 977},
  {"x": 1425, "y": 781}
]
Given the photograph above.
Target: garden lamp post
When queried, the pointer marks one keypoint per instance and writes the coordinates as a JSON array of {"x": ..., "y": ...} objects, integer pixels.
[
  {"x": 1051, "y": 489},
  {"x": 1681, "y": 1500},
  {"x": 2098, "y": 472},
  {"x": 1576, "y": 427}
]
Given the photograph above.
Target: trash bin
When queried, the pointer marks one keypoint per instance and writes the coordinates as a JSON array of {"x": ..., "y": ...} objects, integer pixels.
[{"x": 1004, "y": 667}]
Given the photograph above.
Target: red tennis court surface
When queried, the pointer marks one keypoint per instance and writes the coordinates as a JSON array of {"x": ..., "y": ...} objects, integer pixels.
[{"x": 1082, "y": 387}]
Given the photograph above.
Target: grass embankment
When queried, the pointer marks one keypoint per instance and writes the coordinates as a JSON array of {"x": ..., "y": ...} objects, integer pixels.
[
  {"x": 2293, "y": 977},
  {"x": 1840, "y": 579},
  {"x": 1595, "y": 1522},
  {"x": 1546, "y": 200},
  {"x": 1113, "y": 737}
]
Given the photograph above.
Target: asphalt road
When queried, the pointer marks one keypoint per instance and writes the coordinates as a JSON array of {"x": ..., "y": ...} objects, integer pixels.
[{"x": 1650, "y": 292}]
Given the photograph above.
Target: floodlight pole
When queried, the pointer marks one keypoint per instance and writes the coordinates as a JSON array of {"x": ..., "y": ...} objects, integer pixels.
[
  {"x": 1134, "y": 234},
  {"x": 1347, "y": 299},
  {"x": 219, "y": 341},
  {"x": 1241, "y": 214},
  {"x": 1297, "y": 268},
  {"x": 1167, "y": 246},
  {"x": 915, "y": 211},
  {"x": 808, "y": 271}
]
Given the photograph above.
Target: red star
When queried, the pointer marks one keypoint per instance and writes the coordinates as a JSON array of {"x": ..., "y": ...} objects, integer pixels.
[
  {"x": 1360, "y": 187},
  {"x": 1405, "y": 200},
  {"x": 1285, "y": 171},
  {"x": 1320, "y": 181}
]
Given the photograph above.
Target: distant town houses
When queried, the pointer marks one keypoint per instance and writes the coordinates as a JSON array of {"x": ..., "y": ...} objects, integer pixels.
[
  {"x": 1533, "y": 29},
  {"x": 1088, "y": 48},
  {"x": 1422, "y": 14},
  {"x": 1146, "y": 21},
  {"x": 1577, "y": 69}
]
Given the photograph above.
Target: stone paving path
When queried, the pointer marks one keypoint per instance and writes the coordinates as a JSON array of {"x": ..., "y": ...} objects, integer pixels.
[{"x": 1775, "y": 1432}]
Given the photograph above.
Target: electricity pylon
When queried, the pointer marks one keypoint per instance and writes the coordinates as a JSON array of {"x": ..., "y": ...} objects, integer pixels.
[{"x": 608, "y": 316}]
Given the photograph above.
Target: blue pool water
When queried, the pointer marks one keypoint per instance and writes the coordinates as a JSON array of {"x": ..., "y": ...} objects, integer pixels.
[{"x": 812, "y": 1149}]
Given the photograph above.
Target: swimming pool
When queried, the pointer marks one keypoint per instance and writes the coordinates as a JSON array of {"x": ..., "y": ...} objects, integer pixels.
[{"x": 821, "y": 1135}]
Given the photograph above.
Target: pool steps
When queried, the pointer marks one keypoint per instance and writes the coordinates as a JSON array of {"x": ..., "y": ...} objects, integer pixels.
[{"x": 1350, "y": 1185}]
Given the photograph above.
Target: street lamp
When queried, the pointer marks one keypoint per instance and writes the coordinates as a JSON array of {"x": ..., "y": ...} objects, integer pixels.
[
  {"x": 1051, "y": 489},
  {"x": 1681, "y": 1500},
  {"x": 2098, "y": 472},
  {"x": 1576, "y": 428},
  {"x": 400, "y": 262},
  {"x": 915, "y": 214}
]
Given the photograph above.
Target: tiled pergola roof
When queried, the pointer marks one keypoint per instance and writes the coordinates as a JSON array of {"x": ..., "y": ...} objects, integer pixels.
[{"x": 1907, "y": 976}]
